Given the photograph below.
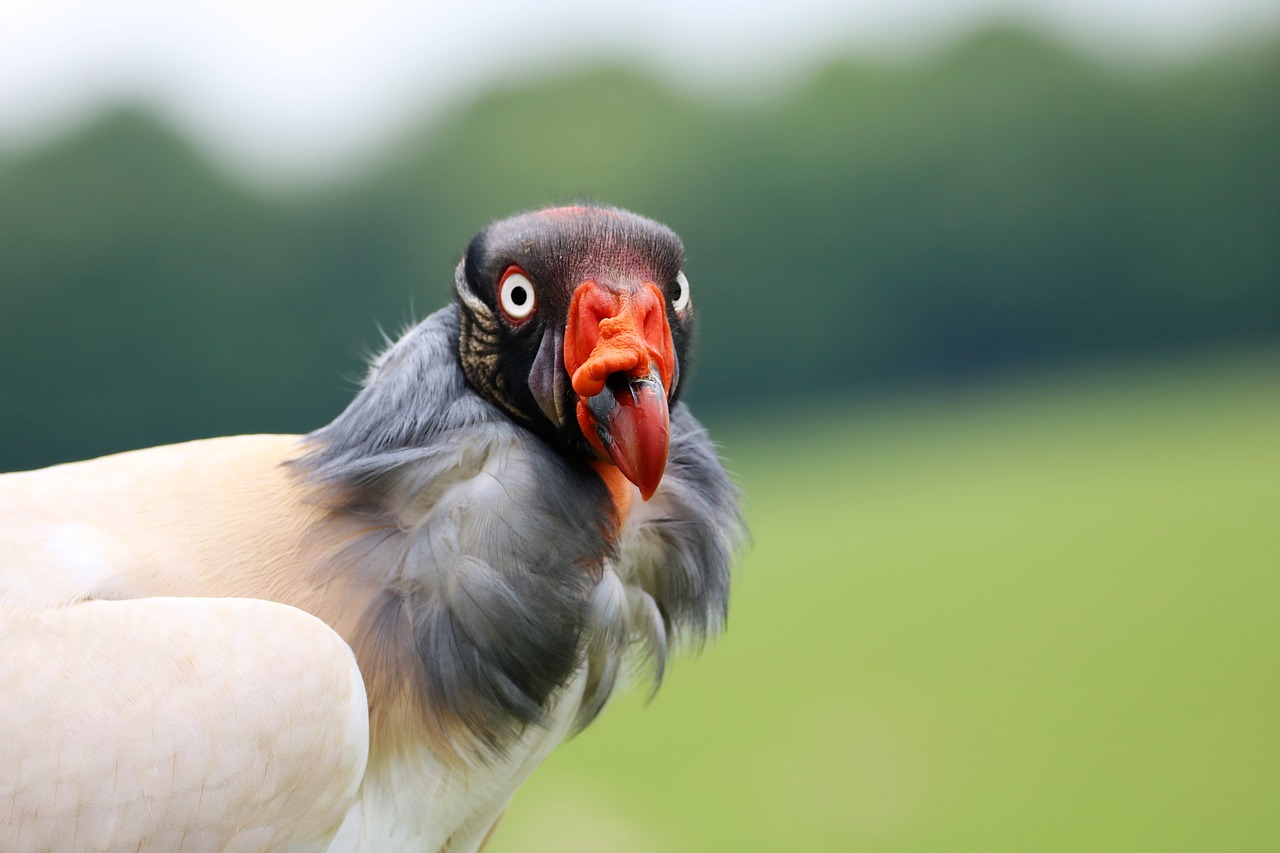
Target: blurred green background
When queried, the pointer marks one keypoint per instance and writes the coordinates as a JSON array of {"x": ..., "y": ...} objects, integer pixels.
[
  {"x": 990, "y": 337},
  {"x": 1036, "y": 617}
]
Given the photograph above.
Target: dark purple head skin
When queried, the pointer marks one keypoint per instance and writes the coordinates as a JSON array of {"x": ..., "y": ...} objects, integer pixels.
[{"x": 520, "y": 366}]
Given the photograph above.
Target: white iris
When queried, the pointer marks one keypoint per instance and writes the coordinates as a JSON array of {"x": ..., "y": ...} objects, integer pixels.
[
  {"x": 516, "y": 296},
  {"x": 682, "y": 299}
]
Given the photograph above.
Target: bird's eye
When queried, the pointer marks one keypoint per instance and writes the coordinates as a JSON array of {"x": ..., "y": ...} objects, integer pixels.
[
  {"x": 516, "y": 295},
  {"x": 682, "y": 298}
]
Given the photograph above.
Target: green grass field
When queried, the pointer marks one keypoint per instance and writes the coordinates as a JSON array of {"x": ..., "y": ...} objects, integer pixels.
[{"x": 1031, "y": 618}]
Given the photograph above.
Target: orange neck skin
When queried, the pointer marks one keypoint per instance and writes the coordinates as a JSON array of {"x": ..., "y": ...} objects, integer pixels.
[{"x": 620, "y": 489}]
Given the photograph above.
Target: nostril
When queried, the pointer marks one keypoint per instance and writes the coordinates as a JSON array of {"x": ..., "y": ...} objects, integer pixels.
[{"x": 619, "y": 383}]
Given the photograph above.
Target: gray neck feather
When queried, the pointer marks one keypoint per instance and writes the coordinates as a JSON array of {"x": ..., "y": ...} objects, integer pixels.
[{"x": 489, "y": 552}]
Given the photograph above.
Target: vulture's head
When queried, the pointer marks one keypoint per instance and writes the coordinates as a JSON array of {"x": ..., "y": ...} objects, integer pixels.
[{"x": 576, "y": 321}]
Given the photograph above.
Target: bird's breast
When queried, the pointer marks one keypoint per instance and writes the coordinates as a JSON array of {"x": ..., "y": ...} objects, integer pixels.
[{"x": 412, "y": 799}]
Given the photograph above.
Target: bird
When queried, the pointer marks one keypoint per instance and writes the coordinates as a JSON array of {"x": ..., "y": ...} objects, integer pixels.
[{"x": 368, "y": 636}]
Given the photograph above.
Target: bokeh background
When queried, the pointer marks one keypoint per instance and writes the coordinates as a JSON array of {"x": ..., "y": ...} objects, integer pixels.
[{"x": 989, "y": 304}]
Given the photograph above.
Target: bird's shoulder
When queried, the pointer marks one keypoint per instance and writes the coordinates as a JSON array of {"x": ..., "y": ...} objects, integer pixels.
[{"x": 146, "y": 522}]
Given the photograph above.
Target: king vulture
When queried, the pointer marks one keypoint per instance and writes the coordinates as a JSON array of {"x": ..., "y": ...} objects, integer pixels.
[{"x": 367, "y": 637}]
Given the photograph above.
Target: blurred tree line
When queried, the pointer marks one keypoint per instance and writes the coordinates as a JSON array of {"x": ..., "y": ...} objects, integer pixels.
[{"x": 1004, "y": 204}]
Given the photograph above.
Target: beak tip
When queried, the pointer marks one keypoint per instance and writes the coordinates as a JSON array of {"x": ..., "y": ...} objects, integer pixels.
[
  {"x": 642, "y": 458},
  {"x": 646, "y": 478}
]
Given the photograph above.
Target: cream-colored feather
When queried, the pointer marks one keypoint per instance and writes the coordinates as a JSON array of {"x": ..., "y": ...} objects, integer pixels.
[
  {"x": 169, "y": 724},
  {"x": 160, "y": 722},
  {"x": 221, "y": 517}
]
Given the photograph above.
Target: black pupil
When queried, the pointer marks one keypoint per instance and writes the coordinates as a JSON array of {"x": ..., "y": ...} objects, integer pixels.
[{"x": 518, "y": 296}]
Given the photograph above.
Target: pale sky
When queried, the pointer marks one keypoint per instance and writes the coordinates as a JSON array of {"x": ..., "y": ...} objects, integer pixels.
[{"x": 303, "y": 86}]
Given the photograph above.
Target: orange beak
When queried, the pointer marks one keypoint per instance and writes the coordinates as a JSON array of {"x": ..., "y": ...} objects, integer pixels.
[{"x": 621, "y": 359}]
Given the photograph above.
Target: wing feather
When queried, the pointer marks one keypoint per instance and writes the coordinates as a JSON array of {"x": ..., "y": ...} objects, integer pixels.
[{"x": 172, "y": 724}]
